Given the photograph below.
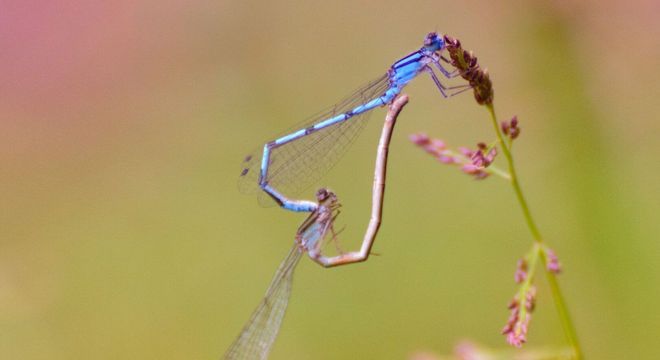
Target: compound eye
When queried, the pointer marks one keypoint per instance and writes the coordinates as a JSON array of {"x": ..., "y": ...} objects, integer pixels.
[
  {"x": 321, "y": 195},
  {"x": 430, "y": 39}
]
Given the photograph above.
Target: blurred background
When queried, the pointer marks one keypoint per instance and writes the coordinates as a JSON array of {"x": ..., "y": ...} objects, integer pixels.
[{"x": 122, "y": 129}]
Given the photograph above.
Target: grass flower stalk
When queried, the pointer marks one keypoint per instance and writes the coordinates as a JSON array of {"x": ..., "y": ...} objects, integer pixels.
[
  {"x": 467, "y": 65},
  {"x": 558, "y": 298}
]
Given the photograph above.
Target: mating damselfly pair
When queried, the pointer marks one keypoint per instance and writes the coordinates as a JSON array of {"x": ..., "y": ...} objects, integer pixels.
[
  {"x": 258, "y": 335},
  {"x": 292, "y": 162},
  {"x": 297, "y": 159}
]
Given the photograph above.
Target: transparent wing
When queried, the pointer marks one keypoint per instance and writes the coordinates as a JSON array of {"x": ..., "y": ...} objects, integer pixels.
[
  {"x": 258, "y": 335},
  {"x": 298, "y": 164}
]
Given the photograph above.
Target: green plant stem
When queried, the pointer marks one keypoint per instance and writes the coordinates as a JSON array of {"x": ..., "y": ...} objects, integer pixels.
[{"x": 562, "y": 309}]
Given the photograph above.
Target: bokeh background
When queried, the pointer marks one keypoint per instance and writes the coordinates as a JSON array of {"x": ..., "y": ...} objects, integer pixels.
[{"x": 122, "y": 128}]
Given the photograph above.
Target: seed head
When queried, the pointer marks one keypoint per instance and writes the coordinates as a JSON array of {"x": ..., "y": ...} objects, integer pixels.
[
  {"x": 510, "y": 128},
  {"x": 467, "y": 64},
  {"x": 521, "y": 271},
  {"x": 553, "y": 261}
]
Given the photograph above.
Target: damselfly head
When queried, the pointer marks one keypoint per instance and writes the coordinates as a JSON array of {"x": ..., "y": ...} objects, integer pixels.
[
  {"x": 433, "y": 42},
  {"x": 323, "y": 195}
]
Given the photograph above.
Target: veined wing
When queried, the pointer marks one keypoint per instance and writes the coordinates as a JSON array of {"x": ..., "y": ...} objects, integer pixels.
[
  {"x": 258, "y": 335},
  {"x": 298, "y": 164}
]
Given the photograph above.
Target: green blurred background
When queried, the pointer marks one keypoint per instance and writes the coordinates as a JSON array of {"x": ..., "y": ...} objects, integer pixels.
[{"x": 122, "y": 128}]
